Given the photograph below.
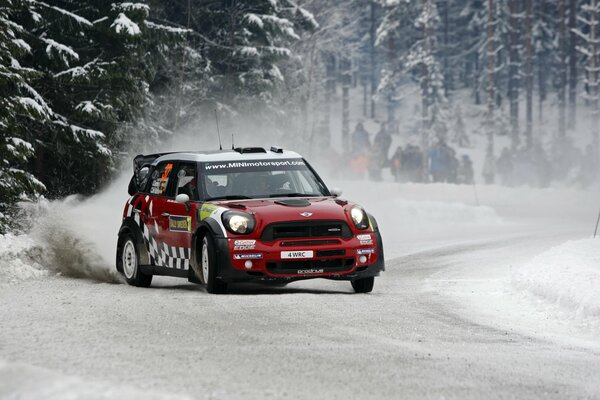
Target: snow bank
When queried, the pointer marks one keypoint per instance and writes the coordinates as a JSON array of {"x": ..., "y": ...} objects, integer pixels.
[
  {"x": 441, "y": 213},
  {"x": 20, "y": 258},
  {"x": 567, "y": 276}
]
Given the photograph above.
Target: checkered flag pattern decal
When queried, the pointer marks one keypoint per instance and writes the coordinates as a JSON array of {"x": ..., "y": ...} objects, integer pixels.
[{"x": 165, "y": 256}]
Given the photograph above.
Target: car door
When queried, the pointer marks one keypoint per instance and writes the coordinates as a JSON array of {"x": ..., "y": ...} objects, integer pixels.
[{"x": 176, "y": 220}]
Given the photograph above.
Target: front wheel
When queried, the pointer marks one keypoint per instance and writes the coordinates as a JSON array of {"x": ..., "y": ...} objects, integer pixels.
[
  {"x": 209, "y": 268},
  {"x": 129, "y": 259},
  {"x": 364, "y": 285}
]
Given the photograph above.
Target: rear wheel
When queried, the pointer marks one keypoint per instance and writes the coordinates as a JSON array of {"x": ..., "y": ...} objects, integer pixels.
[
  {"x": 364, "y": 285},
  {"x": 129, "y": 258},
  {"x": 209, "y": 268}
]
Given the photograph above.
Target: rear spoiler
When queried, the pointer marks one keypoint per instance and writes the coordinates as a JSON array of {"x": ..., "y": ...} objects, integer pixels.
[{"x": 140, "y": 161}]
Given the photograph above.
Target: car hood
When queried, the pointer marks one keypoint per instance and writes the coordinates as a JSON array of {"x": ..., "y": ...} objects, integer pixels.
[{"x": 286, "y": 209}]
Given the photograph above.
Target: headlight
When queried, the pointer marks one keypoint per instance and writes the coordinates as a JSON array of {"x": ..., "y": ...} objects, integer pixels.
[
  {"x": 238, "y": 222},
  {"x": 359, "y": 217}
]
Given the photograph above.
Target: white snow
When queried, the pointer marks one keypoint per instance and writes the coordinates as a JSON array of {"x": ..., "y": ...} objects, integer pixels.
[
  {"x": 249, "y": 51},
  {"x": 276, "y": 73},
  {"x": 20, "y": 43},
  {"x": 69, "y": 14},
  {"x": 567, "y": 276},
  {"x": 75, "y": 72},
  {"x": 24, "y": 381},
  {"x": 64, "y": 52},
  {"x": 254, "y": 19},
  {"x": 170, "y": 29},
  {"x": 123, "y": 24},
  {"x": 127, "y": 6},
  {"x": 19, "y": 256},
  {"x": 21, "y": 143},
  {"x": 87, "y": 107},
  {"x": 33, "y": 106}
]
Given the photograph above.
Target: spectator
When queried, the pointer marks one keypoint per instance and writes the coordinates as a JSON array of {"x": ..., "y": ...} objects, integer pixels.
[
  {"x": 465, "y": 171},
  {"x": 505, "y": 166},
  {"x": 412, "y": 163},
  {"x": 361, "y": 144},
  {"x": 396, "y": 165},
  {"x": 379, "y": 154}
]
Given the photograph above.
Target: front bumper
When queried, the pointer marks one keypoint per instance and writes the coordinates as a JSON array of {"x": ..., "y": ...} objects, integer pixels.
[{"x": 339, "y": 260}]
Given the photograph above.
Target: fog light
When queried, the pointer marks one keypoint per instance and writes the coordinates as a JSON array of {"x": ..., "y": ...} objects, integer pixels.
[
  {"x": 248, "y": 264},
  {"x": 362, "y": 259}
]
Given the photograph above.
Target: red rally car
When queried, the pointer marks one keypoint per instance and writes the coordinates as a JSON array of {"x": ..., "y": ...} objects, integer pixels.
[{"x": 242, "y": 215}]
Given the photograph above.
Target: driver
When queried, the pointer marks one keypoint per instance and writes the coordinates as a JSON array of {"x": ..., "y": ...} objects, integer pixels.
[
  {"x": 186, "y": 182},
  {"x": 258, "y": 184}
]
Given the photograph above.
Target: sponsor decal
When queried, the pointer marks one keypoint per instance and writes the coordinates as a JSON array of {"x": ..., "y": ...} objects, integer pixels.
[
  {"x": 246, "y": 242},
  {"x": 365, "y": 251},
  {"x": 297, "y": 254},
  {"x": 236, "y": 248},
  {"x": 363, "y": 237},
  {"x": 366, "y": 242},
  {"x": 180, "y": 223},
  {"x": 206, "y": 211},
  {"x": 253, "y": 164},
  {"x": 309, "y": 271},
  {"x": 247, "y": 256}
]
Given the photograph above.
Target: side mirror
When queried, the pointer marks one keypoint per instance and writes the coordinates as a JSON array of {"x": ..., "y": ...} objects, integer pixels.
[
  {"x": 336, "y": 192},
  {"x": 182, "y": 198}
]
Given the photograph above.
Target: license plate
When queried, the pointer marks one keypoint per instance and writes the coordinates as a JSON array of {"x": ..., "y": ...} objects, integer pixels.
[{"x": 297, "y": 254}]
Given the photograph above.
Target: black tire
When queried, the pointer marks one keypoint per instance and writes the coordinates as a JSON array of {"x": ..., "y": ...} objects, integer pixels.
[
  {"x": 128, "y": 259},
  {"x": 208, "y": 266},
  {"x": 364, "y": 285}
]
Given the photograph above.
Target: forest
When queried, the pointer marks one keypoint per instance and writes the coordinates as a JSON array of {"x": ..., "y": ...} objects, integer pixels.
[{"x": 85, "y": 84}]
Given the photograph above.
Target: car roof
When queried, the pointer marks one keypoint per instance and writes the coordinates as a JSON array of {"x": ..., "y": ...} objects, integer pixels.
[{"x": 224, "y": 155}]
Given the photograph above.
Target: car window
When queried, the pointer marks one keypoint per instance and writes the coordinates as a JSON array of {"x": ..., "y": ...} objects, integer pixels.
[
  {"x": 260, "y": 179},
  {"x": 186, "y": 180},
  {"x": 160, "y": 179}
]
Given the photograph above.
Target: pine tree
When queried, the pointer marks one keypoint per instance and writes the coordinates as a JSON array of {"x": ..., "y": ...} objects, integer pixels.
[{"x": 20, "y": 105}]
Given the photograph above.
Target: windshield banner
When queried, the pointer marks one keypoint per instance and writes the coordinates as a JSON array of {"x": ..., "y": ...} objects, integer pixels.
[{"x": 254, "y": 165}]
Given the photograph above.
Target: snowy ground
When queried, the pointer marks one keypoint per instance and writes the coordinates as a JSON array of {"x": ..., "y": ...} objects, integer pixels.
[{"x": 489, "y": 293}]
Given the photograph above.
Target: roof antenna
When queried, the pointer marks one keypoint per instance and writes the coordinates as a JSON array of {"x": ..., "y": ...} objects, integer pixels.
[
  {"x": 218, "y": 132},
  {"x": 232, "y": 141}
]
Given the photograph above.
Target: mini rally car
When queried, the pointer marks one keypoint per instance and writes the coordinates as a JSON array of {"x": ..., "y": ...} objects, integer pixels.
[{"x": 242, "y": 215}]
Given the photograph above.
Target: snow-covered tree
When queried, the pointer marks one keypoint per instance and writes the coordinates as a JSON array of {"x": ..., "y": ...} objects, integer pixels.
[{"x": 19, "y": 104}]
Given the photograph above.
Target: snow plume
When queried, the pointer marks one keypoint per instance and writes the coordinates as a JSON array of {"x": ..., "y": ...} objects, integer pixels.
[{"x": 74, "y": 237}]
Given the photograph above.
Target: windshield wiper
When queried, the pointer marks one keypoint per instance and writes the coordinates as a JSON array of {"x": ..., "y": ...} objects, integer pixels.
[
  {"x": 295, "y": 195},
  {"x": 230, "y": 197}
]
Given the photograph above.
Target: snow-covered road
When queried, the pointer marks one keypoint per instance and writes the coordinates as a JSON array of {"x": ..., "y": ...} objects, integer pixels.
[{"x": 444, "y": 321}]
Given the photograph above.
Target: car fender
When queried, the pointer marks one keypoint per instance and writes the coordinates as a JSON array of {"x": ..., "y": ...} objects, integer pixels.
[{"x": 130, "y": 226}]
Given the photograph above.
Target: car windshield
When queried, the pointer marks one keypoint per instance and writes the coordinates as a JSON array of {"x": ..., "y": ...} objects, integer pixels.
[{"x": 233, "y": 180}]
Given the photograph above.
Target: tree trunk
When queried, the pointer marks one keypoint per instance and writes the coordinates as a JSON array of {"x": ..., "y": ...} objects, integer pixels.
[
  {"x": 572, "y": 64},
  {"x": 542, "y": 67},
  {"x": 529, "y": 72},
  {"x": 593, "y": 70},
  {"x": 562, "y": 72},
  {"x": 372, "y": 58},
  {"x": 491, "y": 49},
  {"x": 513, "y": 72},
  {"x": 446, "y": 51},
  {"x": 346, "y": 81}
]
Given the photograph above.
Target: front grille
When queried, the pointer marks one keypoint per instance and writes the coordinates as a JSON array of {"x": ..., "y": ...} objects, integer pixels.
[
  {"x": 327, "y": 265},
  {"x": 306, "y": 229},
  {"x": 315, "y": 242}
]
